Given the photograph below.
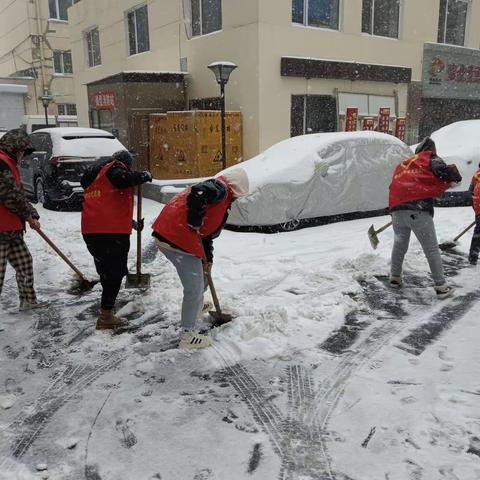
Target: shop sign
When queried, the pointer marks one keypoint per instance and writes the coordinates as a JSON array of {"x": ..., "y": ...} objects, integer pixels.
[
  {"x": 384, "y": 120},
  {"x": 351, "y": 118},
  {"x": 400, "y": 126},
  {"x": 368, "y": 123},
  {"x": 104, "y": 100},
  {"x": 450, "y": 72}
]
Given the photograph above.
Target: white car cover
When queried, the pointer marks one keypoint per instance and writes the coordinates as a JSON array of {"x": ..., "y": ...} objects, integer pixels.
[{"x": 318, "y": 175}]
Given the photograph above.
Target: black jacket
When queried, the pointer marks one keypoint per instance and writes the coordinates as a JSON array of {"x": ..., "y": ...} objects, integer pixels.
[{"x": 119, "y": 176}]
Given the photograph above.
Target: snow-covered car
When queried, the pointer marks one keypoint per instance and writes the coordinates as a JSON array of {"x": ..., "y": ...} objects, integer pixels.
[
  {"x": 51, "y": 174},
  {"x": 459, "y": 143},
  {"x": 312, "y": 179}
]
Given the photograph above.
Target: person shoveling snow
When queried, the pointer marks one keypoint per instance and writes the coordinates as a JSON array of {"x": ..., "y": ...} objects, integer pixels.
[
  {"x": 15, "y": 212},
  {"x": 475, "y": 244},
  {"x": 416, "y": 181},
  {"x": 184, "y": 232},
  {"x": 107, "y": 225}
]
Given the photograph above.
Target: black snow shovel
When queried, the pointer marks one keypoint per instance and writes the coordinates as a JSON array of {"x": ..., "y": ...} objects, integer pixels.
[
  {"x": 373, "y": 234},
  {"x": 83, "y": 284},
  {"x": 219, "y": 318},
  {"x": 453, "y": 243},
  {"x": 138, "y": 279}
]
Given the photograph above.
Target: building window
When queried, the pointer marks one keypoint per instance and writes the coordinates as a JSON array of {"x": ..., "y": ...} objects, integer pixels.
[
  {"x": 452, "y": 21},
  {"x": 313, "y": 114},
  {"x": 93, "y": 47},
  {"x": 381, "y": 17},
  {"x": 138, "y": 37},
  {"x": 101, "y": 119},
  {"x": 67, "y": 109},
  {"x": 206, "y": 16},
  {"x": 62, "y": 62},
  {"x": 316, "y": 13},
  {"x": 58, "y": 8}
]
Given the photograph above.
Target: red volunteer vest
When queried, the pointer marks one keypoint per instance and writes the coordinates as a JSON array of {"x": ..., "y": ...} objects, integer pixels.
[
  {"x": 476, "y": 192},
  {"x": 9, "y": 221},
  {"x": 107, "y": 209},
  {"x": 172, "y": 223},
  {"x": 414, "y": 180}
]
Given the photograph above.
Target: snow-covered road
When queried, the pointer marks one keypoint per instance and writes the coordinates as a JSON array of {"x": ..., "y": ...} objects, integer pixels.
[{"x": 324, "y": 374}]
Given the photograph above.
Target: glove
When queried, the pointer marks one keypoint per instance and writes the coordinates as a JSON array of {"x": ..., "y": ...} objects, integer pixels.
[
  {"x": 138, "y": 226},
  {"x": 146, "y": 176},
  {"x": 207, "y": 267}
]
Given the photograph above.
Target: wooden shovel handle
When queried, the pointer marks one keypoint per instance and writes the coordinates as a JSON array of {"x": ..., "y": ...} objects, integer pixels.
[
  {"x": 381, "y": 229},
  {"x": 139, "y": 232},
  {"x": 209, "y": 278},
  {"x": 464, "y": 231},
  {"x": 61, "y": 254}
]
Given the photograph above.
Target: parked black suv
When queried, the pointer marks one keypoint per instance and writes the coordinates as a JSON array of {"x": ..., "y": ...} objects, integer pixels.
[{"x": 51, "y": 174}]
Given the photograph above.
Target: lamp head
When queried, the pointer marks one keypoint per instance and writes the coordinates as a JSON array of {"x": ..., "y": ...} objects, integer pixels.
[
  {"x": 46, "y": 99},
  {"x": 222, "y": 71}
]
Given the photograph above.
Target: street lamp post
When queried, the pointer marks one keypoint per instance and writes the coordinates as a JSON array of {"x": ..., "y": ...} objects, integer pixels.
[
  {"x": 46, "y": 99},
  {"x": 222, "y": 71}
]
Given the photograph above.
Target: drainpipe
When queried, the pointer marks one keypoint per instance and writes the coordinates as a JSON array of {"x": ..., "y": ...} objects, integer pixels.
[{"x": 41, "y": 42}]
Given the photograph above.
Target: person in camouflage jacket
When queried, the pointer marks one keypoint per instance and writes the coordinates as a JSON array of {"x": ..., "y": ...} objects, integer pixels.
[{"x": 15, "y": 212}]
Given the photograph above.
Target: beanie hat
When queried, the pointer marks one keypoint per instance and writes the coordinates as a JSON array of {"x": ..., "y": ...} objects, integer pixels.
[
  {"x": 238, "y": 181},
  {"x": 124, "y": 157},
  {"x": 427, "y": 144}
]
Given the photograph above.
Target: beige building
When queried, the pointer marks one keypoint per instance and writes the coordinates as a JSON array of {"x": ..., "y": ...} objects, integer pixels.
[
  {"x": 35, "y": 44},
  {"x": 301, "y": 63}
]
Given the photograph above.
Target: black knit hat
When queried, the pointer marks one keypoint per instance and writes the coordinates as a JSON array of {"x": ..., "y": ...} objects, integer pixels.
[
  {"x": 427, "y": 144},
  {"x": 124, "y": 157}
]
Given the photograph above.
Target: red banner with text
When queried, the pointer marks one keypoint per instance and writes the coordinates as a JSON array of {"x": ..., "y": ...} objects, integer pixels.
[
  {"x": 368, "y": 123},
  {"x": 384, "y": 120},
  {"x": 400, "y": 126},
  {"x": 351, "y": 119}
]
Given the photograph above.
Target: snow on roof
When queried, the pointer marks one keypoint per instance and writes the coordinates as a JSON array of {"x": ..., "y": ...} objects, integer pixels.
[
  {"x": 459, "y": 143},
  {"x": 344, "y": 61},
  {"x": 74, "y": 132},
  {"x": 223, "y": 62},
  {"x": 156, "y": 72},
  {"x": 82, "y": 142},
  {"x": 296, "y": 158}
]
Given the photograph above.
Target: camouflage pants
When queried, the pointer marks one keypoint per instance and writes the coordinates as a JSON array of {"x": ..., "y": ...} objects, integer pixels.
[{"x": 18, "y": 255}]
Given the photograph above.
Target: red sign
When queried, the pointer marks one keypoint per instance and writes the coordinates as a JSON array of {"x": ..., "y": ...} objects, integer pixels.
[
  {"x": 400, "y": 126},
  {"x": 384, "y": 120},
  {"x": 105, "y": 100},
  {"x": 351, "y": 118},
  {"x": 368, "y": 123}
]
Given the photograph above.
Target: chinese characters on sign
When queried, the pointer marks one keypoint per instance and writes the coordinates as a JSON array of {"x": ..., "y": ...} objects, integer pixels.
[
  {"x": 384, "y": 120},
  {"x": 368, "y": 123},
  {"x": 351, "y": 117},
  {"x": 400, "y": 126},
  {"x": 105, "y": 100},
  {"x": 450, "y": 72}
]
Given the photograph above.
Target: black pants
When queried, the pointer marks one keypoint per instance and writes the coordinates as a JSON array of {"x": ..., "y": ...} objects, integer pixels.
[
  {"x": 110, "y": 254},
  {"x": 475, "y": 245}
]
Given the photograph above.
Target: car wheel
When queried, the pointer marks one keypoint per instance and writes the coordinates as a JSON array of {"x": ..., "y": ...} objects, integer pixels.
[
  {"x": 291, "y": 225},
  {"x": 40, "y": 194}
]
